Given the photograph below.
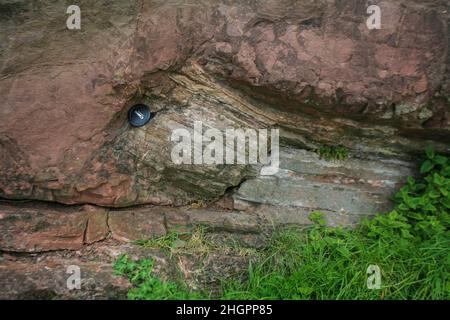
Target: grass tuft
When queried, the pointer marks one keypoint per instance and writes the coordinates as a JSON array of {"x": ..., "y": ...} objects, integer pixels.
[{"x": 330, "y": 153}]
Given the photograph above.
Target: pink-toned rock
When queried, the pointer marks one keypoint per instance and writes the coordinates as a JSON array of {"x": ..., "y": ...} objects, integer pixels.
[
  {"x": 312, "y": 68},
  {"x": 40, "y": 227},
  {"x": 46, "y": 279},
  {"x": 130, "y": 225},
  {"x": 97, "y": 225}
]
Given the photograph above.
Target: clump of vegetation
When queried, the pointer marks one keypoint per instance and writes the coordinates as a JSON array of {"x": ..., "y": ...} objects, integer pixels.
[
  {"x": 410, "y": 245},
  {"x": 167, "y": 242},
  {"x": 330, "y": 153},
  {"x": 146, "y": 285},
  {"x": 176, "y": 242}
]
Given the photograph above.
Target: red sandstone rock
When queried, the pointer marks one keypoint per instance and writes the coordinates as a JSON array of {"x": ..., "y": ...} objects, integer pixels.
[
  {"x": 134, "y": 225},
  {"x": 40, "y": 228},
  {"x": 65, "y": 93}
]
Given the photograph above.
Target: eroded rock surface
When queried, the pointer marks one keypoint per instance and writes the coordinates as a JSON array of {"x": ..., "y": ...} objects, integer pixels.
[
  {"x": 43, "y": 227},
  {"x": 46, "y": 278},
  {"x": 344, "y": 191},
  {"x": 311, "y": 68}
]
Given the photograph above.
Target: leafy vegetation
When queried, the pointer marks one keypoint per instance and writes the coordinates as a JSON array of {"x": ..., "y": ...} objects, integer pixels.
[
  {"x": 146, "y": 285},
  {"x": 410, "y": 245},
  {"x": 330, "y": 153}
]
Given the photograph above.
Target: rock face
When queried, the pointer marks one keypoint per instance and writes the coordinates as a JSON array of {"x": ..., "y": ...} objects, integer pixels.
[
  {"x": 42, "y": 227},
  {"x": 46, "y": 278},
  {"x": 344, "y": 191},
  {"x": 311, "y": 68}
]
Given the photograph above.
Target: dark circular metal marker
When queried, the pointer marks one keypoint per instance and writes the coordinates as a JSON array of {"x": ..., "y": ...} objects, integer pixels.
[{"x": 139, "y": 115}]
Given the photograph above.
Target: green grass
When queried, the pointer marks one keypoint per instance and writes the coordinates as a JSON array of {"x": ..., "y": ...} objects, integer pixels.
[
  {"x": 330, "y": 263},
  {"x": 409, "y": 244},
  {"x": 330, "y": 153}
]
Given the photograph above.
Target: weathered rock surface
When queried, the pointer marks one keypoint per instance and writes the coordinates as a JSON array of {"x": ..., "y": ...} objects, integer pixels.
[
  {"x": 45, "y": 275},
  {"x": 37, "y": 227},
  {"x": 343, "y": 190},
  {"x": 43, "y": 227},
  {"x": 311, "y": 68},
  {"x": 47, "y": 279},
  {"x": 136, "y": 225}
]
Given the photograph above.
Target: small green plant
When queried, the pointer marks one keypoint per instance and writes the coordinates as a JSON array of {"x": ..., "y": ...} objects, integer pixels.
[
  {"x": 146, "y": 286},
  {"x": 410, "y": 245},
  {"x": 333, "y": 153},
  {"x": 422, "y": 207}
]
